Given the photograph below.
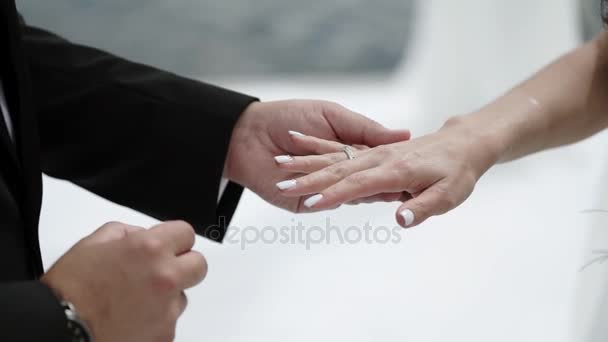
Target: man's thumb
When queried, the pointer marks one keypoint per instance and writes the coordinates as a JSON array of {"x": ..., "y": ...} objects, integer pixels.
[
  {"x": 356, "y": 129},
  {"x": 392, "y": 136},
  {"x": 377, "y": 135}
]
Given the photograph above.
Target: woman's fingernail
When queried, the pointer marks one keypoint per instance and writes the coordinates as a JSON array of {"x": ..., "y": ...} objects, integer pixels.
[
  {"x": 286, "y": 185},
  {"x": 408, "y": 216},
  {"x": 297, "y": 134},
  {"x": 283, "y": 159},
  {"x": 310, "y": 202}
]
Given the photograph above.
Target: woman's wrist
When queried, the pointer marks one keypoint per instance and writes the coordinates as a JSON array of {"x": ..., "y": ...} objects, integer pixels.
[{"x": 484, "y": 147}]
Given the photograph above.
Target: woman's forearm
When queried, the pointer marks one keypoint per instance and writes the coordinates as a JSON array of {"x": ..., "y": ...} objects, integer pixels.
[{"x": 565, "y": 102}]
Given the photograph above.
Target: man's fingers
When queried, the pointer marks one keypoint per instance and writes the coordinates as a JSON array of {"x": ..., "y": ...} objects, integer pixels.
[
  {"x": 384, "y": 197},
  {"x": 192, "y": 269},
  {"x": 177, "y": 307},
  {"x": 110, "y": 231},
  {"x": 353, "y": 128},
  {"x": 436, "y": 200},
  {"x": 314, "y": 145},
  {"x": 183, "y": 303},
  {"x": 179, "y": 236}
]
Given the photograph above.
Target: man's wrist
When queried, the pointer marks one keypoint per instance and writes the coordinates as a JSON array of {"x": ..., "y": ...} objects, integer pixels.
[
  {"x": 241, "y": 135},
  {"x": 77, "y": 327}
]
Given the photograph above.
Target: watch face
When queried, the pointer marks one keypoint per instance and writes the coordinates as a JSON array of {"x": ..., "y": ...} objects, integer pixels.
[
  {"x": 78, "y": 332},
  {"x": 77, "y": 329}
]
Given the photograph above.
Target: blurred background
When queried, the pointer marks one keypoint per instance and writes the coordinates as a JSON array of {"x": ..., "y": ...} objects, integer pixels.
[
  {"x": 239, "y": 37},
  {"x": 505, "y": 266}
]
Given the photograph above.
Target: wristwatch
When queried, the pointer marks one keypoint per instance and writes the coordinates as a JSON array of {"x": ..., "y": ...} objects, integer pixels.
[{"x": 77, "y": 328}]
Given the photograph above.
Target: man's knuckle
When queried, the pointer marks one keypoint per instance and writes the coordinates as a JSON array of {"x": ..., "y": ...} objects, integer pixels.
[
  {"x": 181, "y": 224},
  {"x": 165, "y": 280},
  {"x": 185, "y": 229},
  {"x": 113, "y": 224},
  {"x": 150, "y": 245}
]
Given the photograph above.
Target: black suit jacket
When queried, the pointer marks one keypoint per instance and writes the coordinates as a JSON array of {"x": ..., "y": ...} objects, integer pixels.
[{"x": 138, "y": 136}]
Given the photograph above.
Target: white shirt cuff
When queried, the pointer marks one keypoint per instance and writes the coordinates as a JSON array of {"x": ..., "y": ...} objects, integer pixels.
[{"x": 223, "y": 184}]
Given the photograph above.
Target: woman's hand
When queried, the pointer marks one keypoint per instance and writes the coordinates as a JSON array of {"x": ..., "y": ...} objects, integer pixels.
[
  {"x": 261, "y": 133},
  {"x": 432, "y": 174}
]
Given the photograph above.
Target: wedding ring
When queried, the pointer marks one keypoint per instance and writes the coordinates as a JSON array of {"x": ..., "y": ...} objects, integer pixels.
[{"x": 349, "y": 151}]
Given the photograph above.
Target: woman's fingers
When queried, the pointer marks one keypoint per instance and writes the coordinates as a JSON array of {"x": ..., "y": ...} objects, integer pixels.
[
  {"x": 436, "y": 200},
  {"x": 357, "y": 185},
  {"x": 436, "y": 174},
  {"x": 327, "y": 153},
  {"x": 309, "y": 164},
  {"x": 317, "y": 181}
]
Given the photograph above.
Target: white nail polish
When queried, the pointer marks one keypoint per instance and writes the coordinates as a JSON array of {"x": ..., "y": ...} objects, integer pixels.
[
  {"x": 408, "y": 216},
  {"x": 286, "y": 185},
  {"x": 297, "y": 134},
  {"x": 310, "y": 202},
  {"x": 283, "y": 159}
]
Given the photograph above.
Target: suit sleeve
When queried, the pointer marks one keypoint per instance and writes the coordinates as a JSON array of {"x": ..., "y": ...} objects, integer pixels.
[
  {"x": 138, "y": 136},
  {"x": 31, "y": 312}
]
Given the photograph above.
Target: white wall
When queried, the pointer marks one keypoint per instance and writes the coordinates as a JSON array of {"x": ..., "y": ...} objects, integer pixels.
[{"x": 503, "y": 267}]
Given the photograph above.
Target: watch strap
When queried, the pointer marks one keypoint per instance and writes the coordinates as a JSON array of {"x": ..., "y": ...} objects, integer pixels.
[{"x": 78, "y": 329}]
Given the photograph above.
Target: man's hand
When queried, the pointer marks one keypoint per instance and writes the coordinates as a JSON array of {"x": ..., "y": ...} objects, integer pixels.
[
  {"x": 127, "y": 282},
  {"x": 262, "y": 133}
]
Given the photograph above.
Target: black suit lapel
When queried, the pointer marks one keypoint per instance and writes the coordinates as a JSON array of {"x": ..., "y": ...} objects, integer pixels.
[
  {"x": 25, "y": 130},
  {"x": 5, "y": 71},
  {"x": 7, "y": 143}
]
